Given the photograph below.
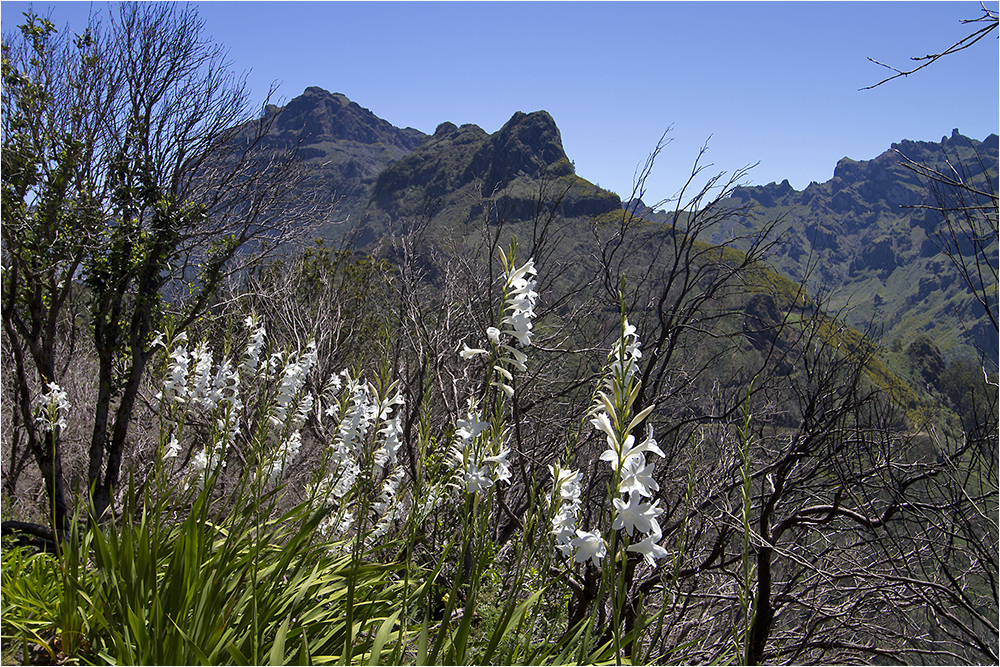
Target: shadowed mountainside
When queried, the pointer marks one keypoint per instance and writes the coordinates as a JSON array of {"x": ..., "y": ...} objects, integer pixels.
[
  {"x": 869, "y": 241},
  {"x": 346, "y": 145},
  {"x": 861, "y": 237}
]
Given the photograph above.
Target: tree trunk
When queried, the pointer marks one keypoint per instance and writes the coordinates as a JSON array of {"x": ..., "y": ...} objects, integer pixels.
[{"x": 763, "y": 611}]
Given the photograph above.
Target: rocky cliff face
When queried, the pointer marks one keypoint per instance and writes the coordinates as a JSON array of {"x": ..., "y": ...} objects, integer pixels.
[
  {"x": 347, "y": 146},
  {"x": 318, "y": 117},
  {"x": 379, "y": 174},
  {"x": 463, "y": 173},
  {"x": 528, "y": 145},
  {"x": 864, "y": 238},
  {"x": 867, "y": 216}
]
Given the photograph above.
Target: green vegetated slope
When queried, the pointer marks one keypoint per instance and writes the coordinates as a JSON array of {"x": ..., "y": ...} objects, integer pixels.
[
  {"x": 854, "y": 239},
  {"x": 865, "y": 238},
  {"x": 462, "y": 175}
]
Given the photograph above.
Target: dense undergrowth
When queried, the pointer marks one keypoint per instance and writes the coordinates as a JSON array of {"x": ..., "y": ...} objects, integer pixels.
[
  {"x": 371, "y": 563},
  {"x": 291, "y": 512},
  {"x": 618, "y": 440}
]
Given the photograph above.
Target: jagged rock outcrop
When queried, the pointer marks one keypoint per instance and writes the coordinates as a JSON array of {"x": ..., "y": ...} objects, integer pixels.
[
  {"x": 463, "y": 173},
  {"x": 528, "y": 145},
  {"x": 866, "y": 238},
  {"x": 347, "y": 146},
  {"x": 317, "y": 116}
]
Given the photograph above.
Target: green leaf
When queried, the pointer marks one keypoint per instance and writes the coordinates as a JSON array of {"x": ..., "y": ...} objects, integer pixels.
[
  {"x": 382, "y": 636},
  {"x": 277, "y": 655},
  {"x": 502, "y": 628}
]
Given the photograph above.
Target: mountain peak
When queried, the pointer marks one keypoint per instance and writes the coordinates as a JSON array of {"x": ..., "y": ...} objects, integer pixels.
[
  {"x": 529, "y": 144},
  {"x": 867, "y": 235},
  {"x": 318, "y": 115}
]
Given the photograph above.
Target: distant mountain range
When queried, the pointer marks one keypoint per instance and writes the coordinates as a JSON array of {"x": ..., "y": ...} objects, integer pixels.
[
  {"x": 856, "y": 237},
  {"x": 870, "y": 243}
]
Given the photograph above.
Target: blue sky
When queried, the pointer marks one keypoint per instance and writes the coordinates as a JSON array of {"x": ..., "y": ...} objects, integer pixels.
[{"x": 775, "y": 83}]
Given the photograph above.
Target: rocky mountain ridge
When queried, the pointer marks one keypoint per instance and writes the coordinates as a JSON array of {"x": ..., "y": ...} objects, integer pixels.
[
  {"x": 866, "y": 237},
  {"x": 861, "y": 236},
  {"x": 346, "y": 145}
]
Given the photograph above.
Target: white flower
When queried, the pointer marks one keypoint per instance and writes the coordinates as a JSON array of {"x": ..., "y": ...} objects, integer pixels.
[
  {"x": 618, "y": 459},
  {"x": 634, "y": 515},
  {"x": 470, "y": 427},
  {"x": 567, "y": 481},
  {"x": 283, "y": 457},
  {"x": 475, "y": 478},
  {"x": 254, "y": 346},
  {"x": 602, "y": 422},
  {"x": 173, "y": 447},
  {"x": 348, "y": 476},
  {"x": 358, "y": 417},
  {"x": 387, "y": 508},
  {"x": 302, "y": 411},
  {"x": 519, "y": 308},
  {"x": 637, "y": 476},
  {"x": 493, "y": 334},
  {"x": 626, "y": 349},
  {"x": 589, "y": 546},
  {"x": 506, "y": 388},
  {"x": 565, "y": 519},
  {"x": 389, "y": 488},
  {"x": 516, "y": 358},
  {"x": 391, "y": 433},
  {"x": 336, "y": 526},
  {"x": 336, "y": 382},
  {"x": 501, "y": 472},
  {"x": 201, "y": 464},
  {"x": 175, "y": 386},
  {"x": 55, "y": 408},
  {"x": 226, "y": 385},
  {"x": 649, "y": 548},
  {"x": 564, "y": 526},
  {"x": 475, "y": 475},
  {"x": 469, "y": 352},
  {"x": 292, "y": 380}
]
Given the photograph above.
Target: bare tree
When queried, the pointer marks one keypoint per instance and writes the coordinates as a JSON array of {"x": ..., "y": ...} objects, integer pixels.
[
  {"x": 133, "y": 174},
  {"x": 989, "y": 17},
  {"x": 967, "y": 234}
]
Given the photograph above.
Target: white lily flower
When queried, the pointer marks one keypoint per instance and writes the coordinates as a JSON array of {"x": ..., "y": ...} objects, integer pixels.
[
  {"x": 55, "y": 407},
  {"x": 602, "y": 422},
  {"x": 567, "y": 481},
  {"x": 637, "y": 476},
  {"x": 470, "y": 427},
  {"x": 469, "y": 352},
  {"x": 502, "y": 466},
  {"x": 649, "y": 548},
  {"x": 475, "y": 478},
  {"x": 175, "y": 386},
  {"x": 173, "y": 448},
  {"x": 254, "y": 346},
  {"x": 618, "y": 459},
  {"x": 635, "y": 515},
  {"x": 589, "y": 546}
]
